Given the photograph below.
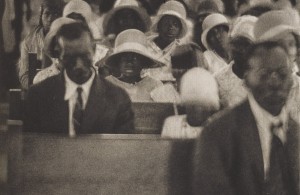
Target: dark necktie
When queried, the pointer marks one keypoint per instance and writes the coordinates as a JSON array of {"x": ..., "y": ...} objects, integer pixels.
[
  {"x": 277, "y": 176},
  {"x": 78, "y": 111}
]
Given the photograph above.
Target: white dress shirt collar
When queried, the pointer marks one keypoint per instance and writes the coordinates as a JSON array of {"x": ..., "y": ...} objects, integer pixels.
[
  {"x": 264, "y": 120},
  {"x": 71, "y": 86}
]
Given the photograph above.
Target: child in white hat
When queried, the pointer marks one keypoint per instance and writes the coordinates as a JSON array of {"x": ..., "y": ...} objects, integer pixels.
[
  {"x": 169, "y": 26},
  {"x": 215, "y": 39},
  {"x": 129, "y": 57},
  {"x": 199, "y": 95}
]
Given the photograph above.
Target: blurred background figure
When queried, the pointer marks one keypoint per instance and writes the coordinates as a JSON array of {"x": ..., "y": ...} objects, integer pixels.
[
  {"x": 34, "y": 42},
  {"x": 51, "y": 49},
  {"x": 230, "y": 78},
  {"x": 126, "y": 14},
  {"x": 200, "y": 98}
]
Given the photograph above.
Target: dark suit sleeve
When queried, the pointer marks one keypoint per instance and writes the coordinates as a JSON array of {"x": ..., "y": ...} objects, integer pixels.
[
  {"x": 212, "y": 163},
  {"x": 32, "y": 114},
  {"x": 125, "y": 117}
]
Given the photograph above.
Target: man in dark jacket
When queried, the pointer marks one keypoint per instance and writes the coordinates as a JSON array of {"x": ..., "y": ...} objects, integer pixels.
[
  {"x": 77, "y": 101},
  {"x": 253, "y": 148}
]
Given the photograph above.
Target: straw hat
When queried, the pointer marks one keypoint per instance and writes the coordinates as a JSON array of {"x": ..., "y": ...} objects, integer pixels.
[
  {"x": 210, "y": 22},
  {"x": 273, "y": 24},
  {"x": 198, "y": 86},
  {"x": 134, "y": 41},
  {"x": 55, "y": 27},
  {"x": 126, "y": 4},
  {"x": 173, "y": 8},
  {"x": 80, "y": 7},
  {"x": 243, "y": 27}
]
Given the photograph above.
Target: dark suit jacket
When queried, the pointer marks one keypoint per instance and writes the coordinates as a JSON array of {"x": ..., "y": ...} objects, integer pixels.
[
  {"x": 228, "y": 156},
  {"x": 108, "y": 108}
]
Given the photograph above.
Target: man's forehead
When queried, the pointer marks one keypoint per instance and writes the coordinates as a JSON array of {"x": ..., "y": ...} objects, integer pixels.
[
  {"x": 269, "y": 58},
  {"x": 81, "y": 43}
]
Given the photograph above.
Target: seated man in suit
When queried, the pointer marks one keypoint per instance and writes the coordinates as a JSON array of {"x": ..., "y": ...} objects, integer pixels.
[
  {"x": 77, "y": 101},
  {"x": 253, "y": 148}
]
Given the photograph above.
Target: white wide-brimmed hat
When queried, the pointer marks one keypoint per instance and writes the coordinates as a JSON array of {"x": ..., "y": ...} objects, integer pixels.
[
  {"x": 55, "y": 27},
  {"x": 126, "y": 4},
  {"x": 210, "y": 22},
  {"x": 173, "y": 8},
  {"x": 198, "y": 86},
  {"x": 132, "y": 41},
  {"x": 80, "y": 7},
  {"x": 243, "y": 27},
  {"x": 274, "y": 24}
]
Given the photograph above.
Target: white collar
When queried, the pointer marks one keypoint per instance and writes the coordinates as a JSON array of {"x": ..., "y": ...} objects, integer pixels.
[
  {"x": 71, "y": 86},
  {"x": 263, "y": 117}
]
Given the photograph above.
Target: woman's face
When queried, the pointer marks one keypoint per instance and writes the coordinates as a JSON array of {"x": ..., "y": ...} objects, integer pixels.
[
  {"x": 169, "y": 27},
  {"x": 130, "y": 65},
  {"x": 290, "y": 43},
  {"x": 217, "y": 37},
  {"x": 48, "y": 16}
]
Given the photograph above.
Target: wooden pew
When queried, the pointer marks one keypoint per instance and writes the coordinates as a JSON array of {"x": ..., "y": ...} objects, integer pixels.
[
  {"x": 149, "y": 117},
  {"x": 98, "y": 164},
  {"x": 16, "y": 109}
]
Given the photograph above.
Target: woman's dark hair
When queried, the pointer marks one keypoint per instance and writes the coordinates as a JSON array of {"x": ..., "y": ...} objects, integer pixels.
[{"x": 54, "y": 6}]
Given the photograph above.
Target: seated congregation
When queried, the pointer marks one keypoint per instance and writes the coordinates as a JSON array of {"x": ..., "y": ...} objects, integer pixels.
[{"x": 228, "y": 88}]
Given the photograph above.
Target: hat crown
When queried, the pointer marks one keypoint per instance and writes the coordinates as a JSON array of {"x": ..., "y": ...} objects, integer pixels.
[
  {"x": 59, "y": 22},
  {"x": 272, "y": 20},
  {"x": 243, "y": 26},
  {"x": 78, "y": 6},
  {"x": 172, "y": 6},
  {"x": 131, "y": 36},
  {"x": 213, "y": 20},
  {"x": 125, "y": 3}
]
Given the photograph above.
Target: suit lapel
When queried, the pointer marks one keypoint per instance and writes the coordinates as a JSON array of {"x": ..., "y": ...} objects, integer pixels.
[
  {"x": 95, "y": 105},
  {"x": 292, "y": 149},
  {"x": 251, "y": 138},
  {"x": 60, "y": 106}
]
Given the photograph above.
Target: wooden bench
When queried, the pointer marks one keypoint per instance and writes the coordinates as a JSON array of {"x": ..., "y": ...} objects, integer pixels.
[
  {"x": 149, "y": 117},
  {"x": 98, "y": 164}
]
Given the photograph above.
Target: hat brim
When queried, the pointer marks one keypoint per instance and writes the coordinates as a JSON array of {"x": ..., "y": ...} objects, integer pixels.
[
  {"x": 206, "y": 31},
  {"x": 182, "y": 20},
  {"x": 148, "y": 61},
  {"x": 140, "y": 11},
  {"x": 278, "y": 31}
]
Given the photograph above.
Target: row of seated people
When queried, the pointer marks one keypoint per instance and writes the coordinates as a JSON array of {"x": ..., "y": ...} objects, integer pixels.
[{"x": 132, "y": 55}]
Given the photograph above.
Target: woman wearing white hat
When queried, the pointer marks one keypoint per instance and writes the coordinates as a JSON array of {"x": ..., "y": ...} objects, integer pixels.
[
  {"x": 169, "y": 26},
  {"x": 230, "y": 78},
  {"x": 130, "y": 56},
  {"x": 215, "y": 39},
  {"x": 199, "y": 95},
  {"x": 126, "y": 14},
  {"x": 81, "y": 11}
]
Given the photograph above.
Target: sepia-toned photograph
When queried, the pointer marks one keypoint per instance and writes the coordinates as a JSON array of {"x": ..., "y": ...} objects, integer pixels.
[{"x": 150, "y": 97}]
